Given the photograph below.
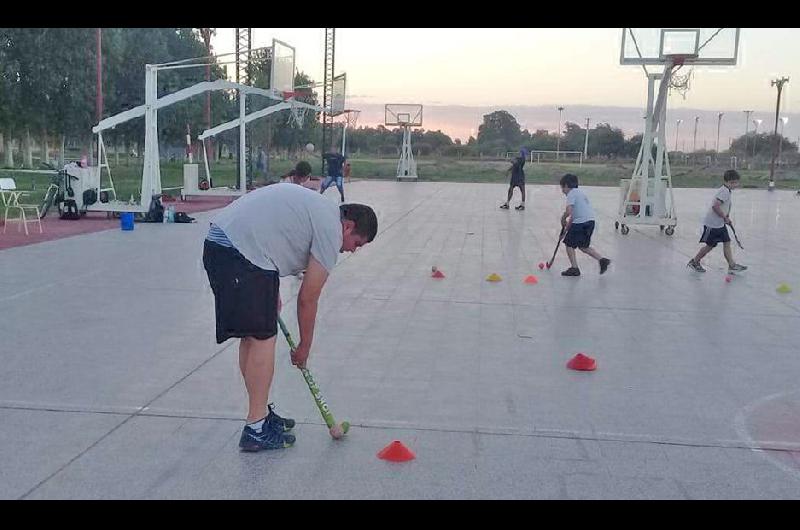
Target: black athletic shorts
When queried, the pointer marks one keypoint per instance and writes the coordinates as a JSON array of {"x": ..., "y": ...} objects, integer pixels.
[
  {"x": 712, "y": 236},
  {"x": 245, "y": 296},
  {"x": 517, "y": 182},
  {"x": 579, "y": 235}
]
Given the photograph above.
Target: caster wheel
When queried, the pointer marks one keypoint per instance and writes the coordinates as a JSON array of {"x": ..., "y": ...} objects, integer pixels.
[
  {"x": 616, "y": 224},
  {"x": 670, "y": 230},
  {"x": 625, "y": 230}
]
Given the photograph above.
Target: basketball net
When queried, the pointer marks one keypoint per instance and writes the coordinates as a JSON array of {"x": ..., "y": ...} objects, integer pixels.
[
  {"x": 297, "y": 114},
  {"x": 351, "y": 118},
  {"x": 680, "y": 83}
]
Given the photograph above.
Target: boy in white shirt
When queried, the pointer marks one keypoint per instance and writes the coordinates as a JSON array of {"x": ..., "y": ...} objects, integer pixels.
[
  {"x": 714, "y": 229},
  {"x": 578, "y": 226}
]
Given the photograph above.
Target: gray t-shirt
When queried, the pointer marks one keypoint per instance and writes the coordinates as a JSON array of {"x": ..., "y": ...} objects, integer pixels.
[
  {"x": 713, "y": 220},
  {"x": 582, "y": 211},
  {"x": 278, "y": 227}
]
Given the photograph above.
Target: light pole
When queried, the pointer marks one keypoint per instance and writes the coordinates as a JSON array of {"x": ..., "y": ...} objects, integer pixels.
[
  {"x": 586, "y": 141},
  {"x": 694, "y": 139},
  {"x": 558, "y": 141},
  {"x": 756, "y": 122},
  {"x": 778, "y": 83},
  {"x": 747, "y": 114},
  {"x": 780, "y": 145},
  {"x": 677, "y": 129},
  {"x": 719, "y": 123}
]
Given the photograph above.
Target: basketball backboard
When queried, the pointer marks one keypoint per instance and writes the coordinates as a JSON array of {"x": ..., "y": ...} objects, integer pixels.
[
  {"x": 703, "y": 46},
  {"x": 339, "y": 94},
  {"x": 282, "y": 71},
  {"x": 403, "y": 114}
]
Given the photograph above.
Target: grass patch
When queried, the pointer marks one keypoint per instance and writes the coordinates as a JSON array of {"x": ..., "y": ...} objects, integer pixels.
[{"x": 127, "y": 177}]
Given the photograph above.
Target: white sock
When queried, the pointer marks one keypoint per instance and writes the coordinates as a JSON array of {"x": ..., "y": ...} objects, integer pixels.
[{"x": 257, "y": 425}]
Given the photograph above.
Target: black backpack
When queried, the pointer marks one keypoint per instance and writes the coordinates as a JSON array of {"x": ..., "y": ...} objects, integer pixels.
[
  {"x": 155, "y": 214},
  {"x": 70, "y": 210}
]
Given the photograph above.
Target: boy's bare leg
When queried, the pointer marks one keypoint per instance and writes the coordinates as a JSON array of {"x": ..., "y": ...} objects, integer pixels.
[
  {"x": 571, "y": 255},
  {"x": 244, "y": 349},
  {"x": 258, "y": 369},
  {"x": 726, "y": 249},
  {"x": 702, "y": 254},
  {"x": 592, "y": 252}
]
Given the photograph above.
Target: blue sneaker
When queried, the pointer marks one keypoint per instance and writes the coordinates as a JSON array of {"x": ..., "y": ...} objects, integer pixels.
[
  {"x": 287, "y": 424},
  {"x": 269, "y": 438}
]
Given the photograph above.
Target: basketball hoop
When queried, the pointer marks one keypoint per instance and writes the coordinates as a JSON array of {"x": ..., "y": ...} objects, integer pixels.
[
  {"x": 680, "y": 83},
  {"x": 297, "y": 114},
  {"x": 351, "y": 117}
]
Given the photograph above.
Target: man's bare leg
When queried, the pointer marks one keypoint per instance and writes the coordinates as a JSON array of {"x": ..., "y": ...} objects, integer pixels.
[{"x": 258, "y": 363}]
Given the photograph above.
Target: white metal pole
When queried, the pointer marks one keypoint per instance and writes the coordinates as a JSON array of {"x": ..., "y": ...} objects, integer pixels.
[
  {"x": 586, "y": 141},
  {"x": 677, "y": 129},
  {"x": 747, "y": 114},
  {"x": 242, "y": 146},
  {"x": 558, "y": 141},
  {"x": 755, "y": 135},
  {"x": 719, "y": 124}
]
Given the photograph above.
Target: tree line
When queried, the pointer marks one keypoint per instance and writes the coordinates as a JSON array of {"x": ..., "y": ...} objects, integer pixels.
[
  {"x": 48, "y": 94},
  {"x": 500, "y": 133},
  {"x": 48, "y": 91}
]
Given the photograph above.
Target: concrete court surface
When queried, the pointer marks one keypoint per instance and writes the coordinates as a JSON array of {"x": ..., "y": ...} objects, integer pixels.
[{"x": 112, "y": 386}]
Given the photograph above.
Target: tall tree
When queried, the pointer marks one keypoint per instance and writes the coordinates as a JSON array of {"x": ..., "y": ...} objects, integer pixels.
[{"x": 499, "y": 131}]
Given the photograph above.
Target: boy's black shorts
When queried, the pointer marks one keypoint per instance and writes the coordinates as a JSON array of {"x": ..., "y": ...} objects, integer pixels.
[
  {"x": 245, "y": 296},
  {"x": 712, "y": 236},
  {"x": 579, "y": 235},
  {"x": 517, "y": 182}
]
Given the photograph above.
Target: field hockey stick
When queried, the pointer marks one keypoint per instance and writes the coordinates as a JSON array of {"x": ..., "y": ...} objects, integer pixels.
[
  {"x": 560, "y": 238},
  {"x": 336, "y": 430},
  {"x": 736, "y": 237}
]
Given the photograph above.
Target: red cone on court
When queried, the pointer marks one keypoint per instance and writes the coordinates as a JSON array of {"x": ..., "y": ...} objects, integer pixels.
[
  {"x": 396, "y": 452},
  {"x": 582, "y": 363},
  {"x": 531, "y": 279},
  {"x": 437, "y": 274}
]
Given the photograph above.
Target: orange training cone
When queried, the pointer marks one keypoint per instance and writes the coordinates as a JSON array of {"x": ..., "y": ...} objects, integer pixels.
[
  {"x": 531, "y": 279},
  {"x": 582, "y": 362},
  {"x": 396, "y": 452},
  {"x": 437, "y": 274}
]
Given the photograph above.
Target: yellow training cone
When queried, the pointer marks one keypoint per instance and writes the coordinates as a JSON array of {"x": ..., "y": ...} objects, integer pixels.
[
  {"x": 783, "y": 289},
  {"x": 493, "y": 277}
]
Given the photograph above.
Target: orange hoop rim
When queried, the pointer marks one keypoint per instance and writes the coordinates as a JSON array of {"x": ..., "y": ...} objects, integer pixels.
[{"x": 679, "y": 58}]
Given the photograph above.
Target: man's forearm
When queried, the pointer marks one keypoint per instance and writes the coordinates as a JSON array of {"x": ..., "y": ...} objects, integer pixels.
[{"x": 306, "y": 317}]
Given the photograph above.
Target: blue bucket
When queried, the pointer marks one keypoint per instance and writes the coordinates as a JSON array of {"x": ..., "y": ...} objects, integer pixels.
[{"x": 126, "y": 220}]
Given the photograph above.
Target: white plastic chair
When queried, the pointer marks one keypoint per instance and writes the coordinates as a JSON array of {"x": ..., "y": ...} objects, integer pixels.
[{"x": 10, "y": 196}]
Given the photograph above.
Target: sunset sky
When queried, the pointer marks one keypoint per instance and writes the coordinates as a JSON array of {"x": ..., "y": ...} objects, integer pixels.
[{"x": 549, "y": 66}]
